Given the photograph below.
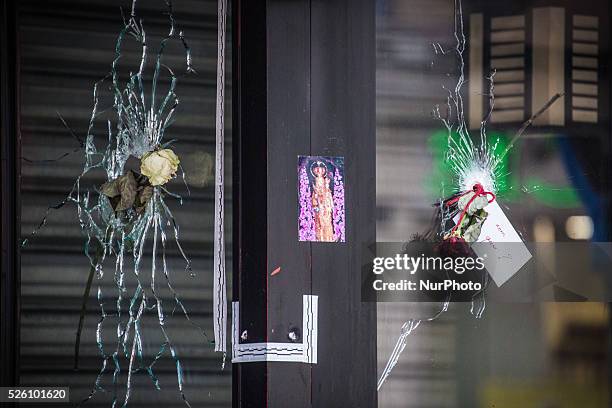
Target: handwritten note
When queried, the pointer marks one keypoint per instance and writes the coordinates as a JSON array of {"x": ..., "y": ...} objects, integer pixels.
[{"x": 505, "y": 253}]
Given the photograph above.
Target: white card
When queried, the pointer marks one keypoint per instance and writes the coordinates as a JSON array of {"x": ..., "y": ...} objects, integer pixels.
[{"x": 502, "y": 261}]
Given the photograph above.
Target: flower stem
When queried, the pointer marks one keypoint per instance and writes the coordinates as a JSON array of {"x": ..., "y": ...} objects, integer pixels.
[{"x": 92, "y": 272}]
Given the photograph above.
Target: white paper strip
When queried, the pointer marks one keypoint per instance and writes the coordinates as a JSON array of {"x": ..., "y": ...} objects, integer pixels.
[
  {"x": 219, "y": 285},
  {"x": 305, "y": 352}
]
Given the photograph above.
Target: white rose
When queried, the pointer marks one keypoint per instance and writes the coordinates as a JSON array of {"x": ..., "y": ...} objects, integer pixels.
[{"x": 159, "y": 166}]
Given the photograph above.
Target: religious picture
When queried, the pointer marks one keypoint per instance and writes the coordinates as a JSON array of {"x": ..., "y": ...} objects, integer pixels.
[{"x": 321, "y": 199}]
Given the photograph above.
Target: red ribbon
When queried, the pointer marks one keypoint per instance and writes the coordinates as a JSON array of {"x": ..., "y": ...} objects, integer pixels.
[{"x": 478, "y": 191}]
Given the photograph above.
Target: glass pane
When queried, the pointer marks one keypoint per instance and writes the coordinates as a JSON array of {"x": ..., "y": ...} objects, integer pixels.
[
  {"x": 65, "y": 47},
  {"x": 554, "y": 188}
]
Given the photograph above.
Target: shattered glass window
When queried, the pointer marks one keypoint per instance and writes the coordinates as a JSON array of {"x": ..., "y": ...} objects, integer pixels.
[
  {"x": 118, "y": 152},
  {"x": 509, "y": 99}
]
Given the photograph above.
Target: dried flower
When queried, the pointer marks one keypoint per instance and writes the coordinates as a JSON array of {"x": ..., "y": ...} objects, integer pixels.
[
  {"x": 476, "y": 203},
  {"x": 159, "y": 166}
]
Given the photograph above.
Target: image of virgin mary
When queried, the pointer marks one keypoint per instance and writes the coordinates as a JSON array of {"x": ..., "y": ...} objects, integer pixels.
[{"x": 322, "y": 202}]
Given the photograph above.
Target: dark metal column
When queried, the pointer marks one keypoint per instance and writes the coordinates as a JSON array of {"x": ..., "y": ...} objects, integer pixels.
[
  {"x": 304, "y": 82},
  {"x": 249, "y": 131}
]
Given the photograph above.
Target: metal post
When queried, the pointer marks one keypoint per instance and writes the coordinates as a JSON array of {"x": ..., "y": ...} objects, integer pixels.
[{"x": 303, "y": 81}]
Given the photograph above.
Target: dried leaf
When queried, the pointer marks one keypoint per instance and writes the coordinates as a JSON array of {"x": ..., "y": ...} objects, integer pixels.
[
  {"x": 127, "y": 187},
  {"x": 145, "y": 194},
  {"x": 110, "y": 189},
  {"x": 474, "y": 225},
  {"x": 142, "y": 198}
]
